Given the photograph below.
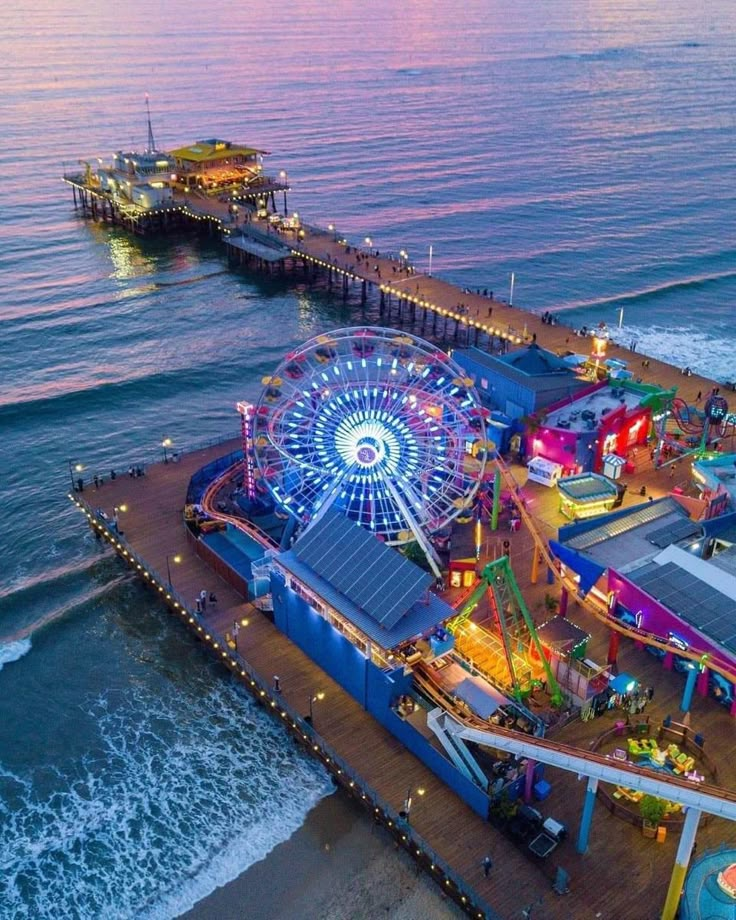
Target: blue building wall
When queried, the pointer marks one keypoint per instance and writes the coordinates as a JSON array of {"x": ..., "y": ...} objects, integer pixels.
[
  {"x": 508, "y": 396},
  {"x": 318, "y": 639},
  {"x": 373, "y": 688},
  {"x": 382, "y": 690}
]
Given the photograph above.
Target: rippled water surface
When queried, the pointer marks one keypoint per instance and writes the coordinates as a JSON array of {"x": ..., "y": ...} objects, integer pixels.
[{"x": 589, "y": 148}]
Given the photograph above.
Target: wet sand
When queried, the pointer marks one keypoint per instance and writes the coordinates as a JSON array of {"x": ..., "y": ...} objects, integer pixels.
[{"x": 337, "y": 866}]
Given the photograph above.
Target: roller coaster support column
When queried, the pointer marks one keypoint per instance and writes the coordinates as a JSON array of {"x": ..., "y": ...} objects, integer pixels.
[
  {"x": 496, "y": 499},
  {"x": 687, "y": 694},
  {"x": 529, "y": 780},
  {"x": 613, "y": 647},
  {"x": 587, "y": 818},
  {"x": 535, "y": 567},
  {"x": 682, "y": 860},
  {"x": 564, "y": 597}
]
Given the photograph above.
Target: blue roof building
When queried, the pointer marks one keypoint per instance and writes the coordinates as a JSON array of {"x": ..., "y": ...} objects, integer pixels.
[
  {"x": 361, "y": 587},
  {"x": 520, "y": 382}
]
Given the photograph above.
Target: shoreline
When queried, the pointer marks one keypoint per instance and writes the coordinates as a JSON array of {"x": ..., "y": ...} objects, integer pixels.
[{"x": 337, "y": 865}]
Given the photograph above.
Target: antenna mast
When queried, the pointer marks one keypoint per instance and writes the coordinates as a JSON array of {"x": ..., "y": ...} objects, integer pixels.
[{"x": 151, "y": 141}]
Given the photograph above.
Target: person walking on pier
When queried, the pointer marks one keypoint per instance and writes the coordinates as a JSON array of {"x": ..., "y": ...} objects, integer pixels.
[
  {"x": 487, "y": 866},
  {"x": 203, "y": 600}
]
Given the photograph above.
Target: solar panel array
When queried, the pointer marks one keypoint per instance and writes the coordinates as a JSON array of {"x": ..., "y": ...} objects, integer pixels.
[
  {"x": 374, "y": 577},
  {"x": 693, "y": 600},
  {"x": 642, "y": 515},
  {"x": 674, "y": 532}
]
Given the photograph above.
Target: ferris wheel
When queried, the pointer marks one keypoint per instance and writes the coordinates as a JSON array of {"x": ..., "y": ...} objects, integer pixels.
[{"x": 378, "y": 424}]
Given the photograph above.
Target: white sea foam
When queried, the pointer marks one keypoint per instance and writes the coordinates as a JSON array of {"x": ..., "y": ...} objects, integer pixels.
[
  {"x": 682, "y": 346},
  {"x": 183, "y": 796},
  {"x": 12, "y": 651}
]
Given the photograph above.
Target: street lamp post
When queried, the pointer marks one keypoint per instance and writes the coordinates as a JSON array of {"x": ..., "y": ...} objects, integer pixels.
[
  {"x": 285, "y": 180},
  {"x": 314, "y": 697},
  {"x": 369, "y": 244},
  {"x": 177, "y": 559},
  {"x": 72, "y": 469},
  {"x": 167, "y": 442},
  {"x": 333, "y": 231},
  {"x": 406, "y": 810}
]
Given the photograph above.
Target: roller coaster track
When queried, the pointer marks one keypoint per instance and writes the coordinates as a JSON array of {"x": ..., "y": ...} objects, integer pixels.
[
  {"x": 247, "y": 527},
  {"x": 592, "y": 604},
  {"x": 710, "y": 798},
  {"x": 688, "y": 419}
]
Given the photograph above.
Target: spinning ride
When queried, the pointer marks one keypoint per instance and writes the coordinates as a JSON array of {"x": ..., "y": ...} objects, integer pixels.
[
  {"x": 375, "y": 423},
  {"x": 688, "y": 430}
]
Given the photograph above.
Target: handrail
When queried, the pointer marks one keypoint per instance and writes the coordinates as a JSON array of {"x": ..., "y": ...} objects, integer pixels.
[
  {"x": 706, "y": 796},
  {"x": 150, "y": 457}
]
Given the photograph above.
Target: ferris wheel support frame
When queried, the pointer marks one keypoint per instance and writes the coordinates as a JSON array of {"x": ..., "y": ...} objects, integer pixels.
[{"x": 429, "y": 550}]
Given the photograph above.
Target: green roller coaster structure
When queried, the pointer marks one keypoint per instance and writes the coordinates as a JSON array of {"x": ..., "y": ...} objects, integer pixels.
[{"x": 513, "y": 620}]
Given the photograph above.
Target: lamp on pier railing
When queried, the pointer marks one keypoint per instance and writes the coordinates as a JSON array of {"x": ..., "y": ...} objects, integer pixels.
[
  {"x": 166, "y": 443},
  {"x": 314, "y": 697},
  {"x": 116, "y": 511},
  {"x": 403, "y": 257},
  {"x": 369, "y": 244},
  {"x": 177, "y": 559},
  {"x": 283, "y": 175},
  {"x": 75, "y": 468},
  {"x": 406, "y": 810},
  {"x": 333, "y": 231}
]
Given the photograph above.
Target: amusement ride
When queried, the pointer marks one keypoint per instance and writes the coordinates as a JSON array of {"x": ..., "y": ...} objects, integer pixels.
[{"x": 384, "y": 426}]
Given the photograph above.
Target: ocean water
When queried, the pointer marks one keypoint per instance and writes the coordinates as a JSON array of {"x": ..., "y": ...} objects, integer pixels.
[{"x": 587, "y": 147}]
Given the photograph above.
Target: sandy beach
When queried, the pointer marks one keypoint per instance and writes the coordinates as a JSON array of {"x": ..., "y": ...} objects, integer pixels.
[{"x": 337, "y": 866}]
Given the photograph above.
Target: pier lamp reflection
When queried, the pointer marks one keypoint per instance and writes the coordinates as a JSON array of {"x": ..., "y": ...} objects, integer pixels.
[
  {"x": 177, "y": 559},
  {"x": 315, "y": 697},
  {"x": 166, "y": 443},
  {"x": 406, "y": 810}
]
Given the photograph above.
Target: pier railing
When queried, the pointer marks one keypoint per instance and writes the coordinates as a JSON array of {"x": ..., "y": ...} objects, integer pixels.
[
  {"x": 142, "y": 459},
  {"x": 383, "y": 813},
  {"x": 395, "y": 822}
]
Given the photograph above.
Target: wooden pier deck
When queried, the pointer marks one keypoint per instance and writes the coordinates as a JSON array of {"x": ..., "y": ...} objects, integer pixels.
[
  {"x": 464, "y": 316},
  {"x": 622, "y": 875}
]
